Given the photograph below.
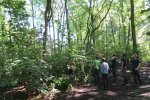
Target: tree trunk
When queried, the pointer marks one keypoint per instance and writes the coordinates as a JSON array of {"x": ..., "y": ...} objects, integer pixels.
[
  {"x": 53, "y": 25},
  {"x": 67, "y": 20},
  {"x": 133, "y": 26},
  {"x": 48, "y": 15},
  {"x": 88, "y": 26},
  {"x": 2, "y": 28},
  {"x": 119, "y": 32},
  {"x": 32, "y": 4},
  {"x": 112, "y": 30},
  {"x": 123, "y": 27},
  {"x": 124, "y": 33},
  {"x": 127, "y": 46}
]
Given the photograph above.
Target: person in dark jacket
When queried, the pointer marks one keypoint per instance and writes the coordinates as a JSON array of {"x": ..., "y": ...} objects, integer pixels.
[
  {"x": 135, "y": 62},
  {"x": 124, "y": 64},
  {"x": 113, "y": 67}
]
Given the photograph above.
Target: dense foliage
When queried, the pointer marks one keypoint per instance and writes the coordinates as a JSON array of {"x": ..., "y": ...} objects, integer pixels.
[{"x": 74, "y": 31}]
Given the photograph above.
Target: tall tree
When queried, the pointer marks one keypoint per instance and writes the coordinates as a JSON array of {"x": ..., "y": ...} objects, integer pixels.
[
  {"x": 32, "y": 5},
  {"x": 48, "y": 15},
  {"x": 91, "y": 28},
  {"x": 133, "y": 27},
  {"x": 67, "y": 21}
]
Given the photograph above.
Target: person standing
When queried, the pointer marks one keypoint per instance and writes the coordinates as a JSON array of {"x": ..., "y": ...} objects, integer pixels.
[
  {"x": 104, "y": 72},
  {"x": 135, "y": 62},
  {"x": 96, "y": 67},
  {"x": 113, "y": 67},
  {"x": 124, "y": 63}
]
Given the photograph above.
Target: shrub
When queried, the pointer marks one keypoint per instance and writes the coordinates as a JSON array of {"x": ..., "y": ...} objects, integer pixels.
[{"x": 62, "y": 83}]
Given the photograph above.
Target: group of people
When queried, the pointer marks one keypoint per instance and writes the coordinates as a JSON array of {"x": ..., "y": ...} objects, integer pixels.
[{"x": 103, "y": 68}]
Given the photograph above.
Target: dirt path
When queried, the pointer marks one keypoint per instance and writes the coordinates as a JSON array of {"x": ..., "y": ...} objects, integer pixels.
[{"x": 115, "y": 92}]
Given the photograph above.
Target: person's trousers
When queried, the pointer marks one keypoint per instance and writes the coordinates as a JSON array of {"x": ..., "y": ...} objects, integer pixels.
[
  {"x": 124, "y": 75},
  {"x": 105, "y": 80},
  {"x": 114, "y": 73},
  {"x": 96, "y": 76},
  {"x": 136, "y": 76}
]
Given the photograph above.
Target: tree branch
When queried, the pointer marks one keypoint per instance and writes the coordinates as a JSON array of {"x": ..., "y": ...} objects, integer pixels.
[{"x": 103, "y": 17}]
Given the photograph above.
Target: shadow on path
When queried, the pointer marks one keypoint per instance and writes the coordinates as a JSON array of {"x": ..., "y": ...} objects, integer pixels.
[{"x": 115, "y": 91}]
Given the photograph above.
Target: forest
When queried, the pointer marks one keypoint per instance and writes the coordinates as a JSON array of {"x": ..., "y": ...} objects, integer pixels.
[{"x": 40, "y": 40}]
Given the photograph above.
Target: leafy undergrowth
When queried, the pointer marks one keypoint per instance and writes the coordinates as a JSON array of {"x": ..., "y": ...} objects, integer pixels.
[{"x": 88, "y": 91}]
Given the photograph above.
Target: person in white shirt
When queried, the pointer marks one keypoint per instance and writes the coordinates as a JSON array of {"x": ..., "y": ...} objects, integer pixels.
[{"x": 104, "y": 72}]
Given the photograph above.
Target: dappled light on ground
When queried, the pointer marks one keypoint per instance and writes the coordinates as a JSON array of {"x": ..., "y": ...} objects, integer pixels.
[
  {"x": 145, "y": 86},
  {"x": 114, "y": 92},
  {"x": 146, "y": 94},
  {"x": 111, "y": 93}
]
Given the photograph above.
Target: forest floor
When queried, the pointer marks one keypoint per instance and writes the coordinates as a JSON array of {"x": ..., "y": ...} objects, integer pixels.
[{"x": 115, "y": 91}]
